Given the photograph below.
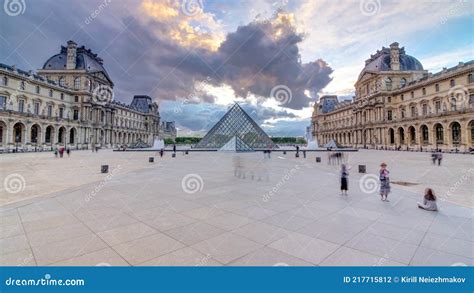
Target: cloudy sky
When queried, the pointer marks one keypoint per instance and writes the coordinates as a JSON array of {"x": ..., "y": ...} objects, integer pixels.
[{"x": 197, "y": 57}]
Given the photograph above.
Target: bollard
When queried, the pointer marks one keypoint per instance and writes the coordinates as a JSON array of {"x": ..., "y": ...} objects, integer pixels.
[
  {"x": 362, "y": 169},
  {"x": 297, "y": 155},
  {"x": 151, "y": 159},
  {"x": 173, "y": 155},
  {"x": 318, "y": 159},
  {"x": 104, "y": 169},
  {"x": 284, "y": 152},
  {"x": 186, "y": 152}
]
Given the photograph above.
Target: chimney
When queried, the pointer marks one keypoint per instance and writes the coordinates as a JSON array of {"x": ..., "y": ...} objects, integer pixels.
[
  {"x": 394, "y": 56},
  {"x": 71, "y": 55}
]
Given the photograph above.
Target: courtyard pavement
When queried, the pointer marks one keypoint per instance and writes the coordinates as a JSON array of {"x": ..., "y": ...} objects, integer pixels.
[{"x": 214, "y": 209}]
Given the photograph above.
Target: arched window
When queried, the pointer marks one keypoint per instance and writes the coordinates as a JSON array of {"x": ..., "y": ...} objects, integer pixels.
[
  {"x": 424, "y": 134},
  {"x": 470, "y": 78},
  {"x": 5, "y": 81},
  {"x": 439, "y": 133},
  {"x": 452, "y": 83},
  {"x": 391, "y": 134},
  {"x": 62, "y": 81},
  {"x": 403, "y": 82},
  {"x": 37, "y": 89},
  {"x": 456, "y": 132},
  {"x": 437, "y": 87},
  {"x": 77, "y": 83}
]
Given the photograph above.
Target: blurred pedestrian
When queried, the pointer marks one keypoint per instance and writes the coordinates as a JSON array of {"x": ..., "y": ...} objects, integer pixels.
[
  {"x": 429, "y": 201},
  {"x": 384, "y": 182},
  {"x": 344, "y": 179}
]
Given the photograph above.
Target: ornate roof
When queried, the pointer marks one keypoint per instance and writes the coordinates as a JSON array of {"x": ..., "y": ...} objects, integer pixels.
[
  {"x": 380, "y": 61},
  {"x": 85, "y": 60}
]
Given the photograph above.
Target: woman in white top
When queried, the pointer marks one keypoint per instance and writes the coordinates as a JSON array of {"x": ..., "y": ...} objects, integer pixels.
[{"x": 429, "y": 201}]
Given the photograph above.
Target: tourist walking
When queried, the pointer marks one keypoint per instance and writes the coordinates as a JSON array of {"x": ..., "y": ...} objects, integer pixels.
[
  {"x": 56, "y": 152},
  {"x": 344, "y": 179},
  {"x": 161, "y": 153},
  {"x": 68, "y": 152},
  {"x": 384, "y": 182},
  {"x": 429, "y": 201},
  {"x": 174, "y": 148},
  {"x": 434, "y": 156},
  {"x": 439, "y": 157}
]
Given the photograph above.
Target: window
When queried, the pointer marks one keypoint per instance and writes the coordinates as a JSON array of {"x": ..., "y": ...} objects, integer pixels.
[
  {"x": 437, "y": 87},
  {"x": 453, "y": 104},
  {"x": 424, "y": 133},
  {"x": 401, "y": 97},
  {"x": 456, "y": 132},
  {"x": 76, "y": 99},
  {"x": 5, "y": 81},
  {"x": 37, "y": 89},
  {"x": 50, "y": 111},
  {"x": 470, "y": 78},
  {"x": 403, "y": 82},
  {"x": 61, "y": 112},
  {"x": 22, "y": 85},
  {"x": 50, "y": 93},
  {"x": 62, "y": 81},
  {"x": 439, "y": 133},
  {"x": 402, "y": 113},
  {"x": 3, "y": 103},
  {"x": 471, "y": 99},
  {"x": 102, "y": 116},
  {"x": 389, "y": 99},
  {"x": 36, "y": 108},
  {"x": 389, "y": 115},
  {"x": 438, "y": 106},
  {"x": 423, "y": 90},
  {"x": 76, "y": 115},
  {"x": 62, "y": 96},
  {"x": 452, "y": 83},
  {"x": 388, "y": 83},
  {"x": 21, "y": 106},
  {"x": 412, "y": 95},
  {"x": 413, "y": 111},
  {"x": 77, "y": 83},
  {"x": 425, "y": 109}
]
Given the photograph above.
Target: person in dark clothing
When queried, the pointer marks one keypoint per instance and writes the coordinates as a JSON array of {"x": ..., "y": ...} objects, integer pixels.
[
  {"x": 174, "y": 148},
  {"x": 344, "y": 179}
]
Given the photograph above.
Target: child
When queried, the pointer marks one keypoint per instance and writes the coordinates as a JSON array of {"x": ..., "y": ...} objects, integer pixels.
[
  {"x": 344, "y": 177},
  {"x": 429, "y": 201},
  {"x": 384, "y": 182}
]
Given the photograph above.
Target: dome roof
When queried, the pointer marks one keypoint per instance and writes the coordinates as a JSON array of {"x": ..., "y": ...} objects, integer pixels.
[
  {"x": 85, "y": 60},
  {"x": 381, "y": 62}
]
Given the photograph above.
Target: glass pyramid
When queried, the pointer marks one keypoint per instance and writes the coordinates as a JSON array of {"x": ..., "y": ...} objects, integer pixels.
[
  {"x": 236, "y": 123},
  {"x": 235, "y": 144}
]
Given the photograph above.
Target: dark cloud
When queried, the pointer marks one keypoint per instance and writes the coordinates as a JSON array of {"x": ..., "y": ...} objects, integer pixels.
[{"x": 252, "y": 60}]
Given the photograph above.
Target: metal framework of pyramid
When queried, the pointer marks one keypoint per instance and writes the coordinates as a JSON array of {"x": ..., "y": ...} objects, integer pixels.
[
  {"x": 235, "y": 144},
  {"x": 236, "y": 123}
]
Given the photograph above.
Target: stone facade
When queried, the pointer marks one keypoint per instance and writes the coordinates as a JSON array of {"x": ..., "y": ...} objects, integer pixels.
[
  {"x": 168, "y": 129},
  {"x": 69, "y": 102},
  {"x": 400, "y": 105}
]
